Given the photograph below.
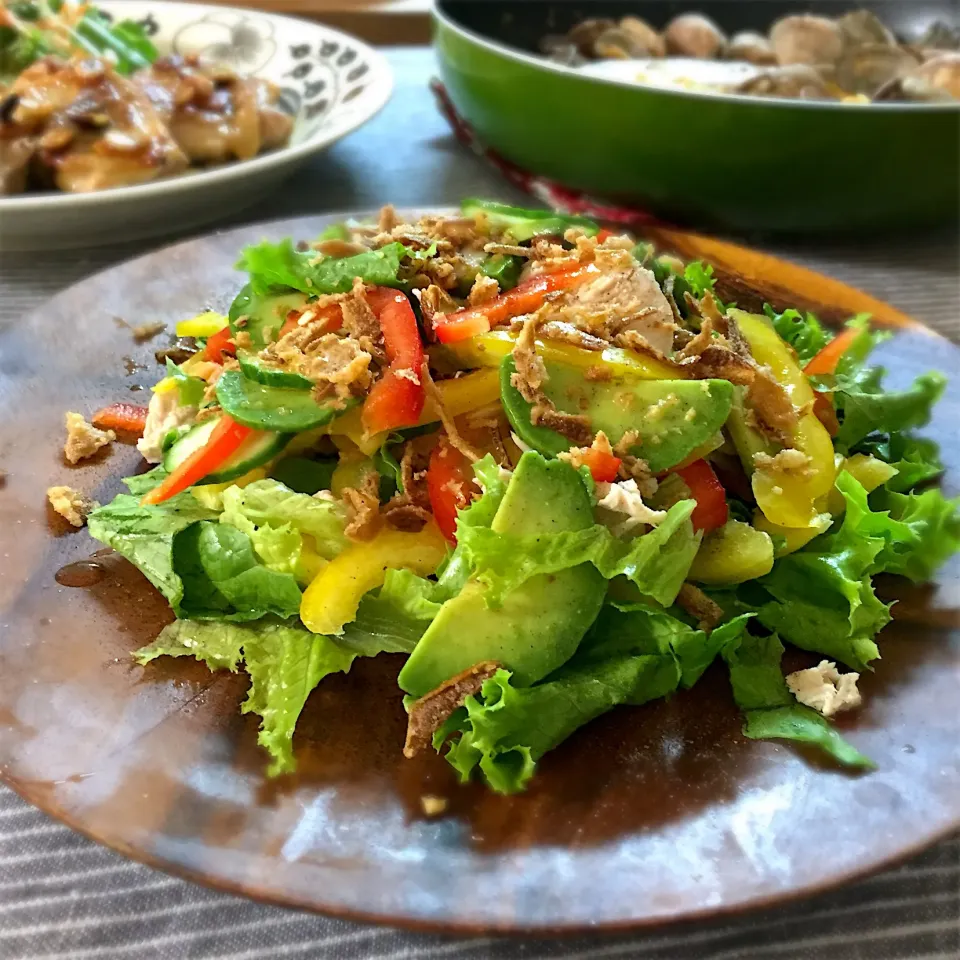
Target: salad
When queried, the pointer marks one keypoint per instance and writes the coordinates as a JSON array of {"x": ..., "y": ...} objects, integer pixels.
[{"x": 542, "y": 461}]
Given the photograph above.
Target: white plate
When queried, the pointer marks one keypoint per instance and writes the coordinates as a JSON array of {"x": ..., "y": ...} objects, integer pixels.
[{"x": 331, "y": 81}]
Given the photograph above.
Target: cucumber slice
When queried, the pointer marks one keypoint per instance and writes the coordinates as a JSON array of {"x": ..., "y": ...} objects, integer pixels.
[
  {"x": 255, "y": 451},
  {"x": 264, "y": 316},
  {"x": 253, "y": 368},
  {"x": 274, "y": 408}
]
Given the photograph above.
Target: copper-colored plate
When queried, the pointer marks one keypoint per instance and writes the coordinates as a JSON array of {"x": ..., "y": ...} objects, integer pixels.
[{"x": 648, "y": 815}]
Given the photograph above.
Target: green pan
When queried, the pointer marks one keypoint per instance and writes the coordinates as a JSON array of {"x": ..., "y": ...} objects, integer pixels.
[{"x": 715, "y": 161}]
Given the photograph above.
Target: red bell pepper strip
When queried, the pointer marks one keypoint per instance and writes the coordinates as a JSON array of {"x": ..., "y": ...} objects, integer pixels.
[
  {"x": 331, "y": 313},
  {"x": 220, "y": 344},
  {"x": 524, "y": 298},
  {"x": 824, "y": 411},
  {"x": 603, "y": 466},
  {"x": 711, "y": 510},
  {"x": 826, "y": 360},
  {"x": 449, "y": 483},
  {"x": 397, "y": 398},
  {"x": 603, "y": 234},
  {"x": 128, "y": 418},
  {"x": 226, "y": 437}
]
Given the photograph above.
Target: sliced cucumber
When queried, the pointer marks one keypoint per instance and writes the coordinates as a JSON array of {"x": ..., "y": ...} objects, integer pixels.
[
  {"x": 255, "y": 451},
  {"x": 254, "y": 368},
  {"x": 274, "y": 408},
  {"x": 263, "y": 316}
]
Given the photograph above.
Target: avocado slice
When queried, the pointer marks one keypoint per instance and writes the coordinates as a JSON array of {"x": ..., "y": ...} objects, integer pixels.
[
  {"x": 264, "y": 316},
  {"x": 672, "y": 417},
  {"x": 542, "y": 622}
]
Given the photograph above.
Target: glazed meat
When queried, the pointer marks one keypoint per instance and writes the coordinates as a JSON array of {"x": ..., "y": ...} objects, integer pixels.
[
  {"x": 88, "y": 127},
  {"x": 79, "y": 125},
  {"x": 214, "y": 115}
]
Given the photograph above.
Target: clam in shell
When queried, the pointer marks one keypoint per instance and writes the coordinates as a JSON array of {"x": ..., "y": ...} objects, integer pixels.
[
  {"x": 862, "y": 27},
  {"x": 867, "y": 68},
  {"x": 798, "y": 80},
  {"x": 806, "y": 39},
  {"x": 646, "y": 41},
  {"x": 751, "y": 47},
  {"x": 694, "y": 35}
]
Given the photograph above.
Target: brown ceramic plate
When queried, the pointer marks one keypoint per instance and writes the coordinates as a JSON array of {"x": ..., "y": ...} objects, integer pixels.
[{"x": 648, "y": 815}]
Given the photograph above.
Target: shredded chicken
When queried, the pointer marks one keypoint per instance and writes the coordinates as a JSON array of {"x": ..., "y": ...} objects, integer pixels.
[
  {"x": 620, "y": 507},
  {"x": 428, "y": 714},
  {"x": 164, "y": 413},
  {"x": 825, "y": 689},
  {"x": 707, "y": 613},
  {"x": 624, "y": 299},
  {"x": 83, "y": 439},
  {"x": 72, "y": 505}
]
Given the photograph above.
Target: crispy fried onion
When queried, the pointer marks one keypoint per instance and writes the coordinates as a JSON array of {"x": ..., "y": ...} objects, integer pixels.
[
  {"x": 529, "y": 379},
  {"x": 430, "y": 712},
  {"x": 410, "y": 509},
  {"x": 719, "y": 350},
  {"x": 363, "y": 508},
  {"x": 699, "y": 605},
  {"x": 453, "y": 434}
]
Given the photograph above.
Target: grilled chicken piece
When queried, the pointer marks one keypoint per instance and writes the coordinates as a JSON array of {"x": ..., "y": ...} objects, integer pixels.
[
  {"x": 215, "y": 115},
  {"x": 95, "y": 128}
]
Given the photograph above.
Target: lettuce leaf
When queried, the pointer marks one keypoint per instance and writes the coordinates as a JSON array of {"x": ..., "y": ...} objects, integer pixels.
[
  {"x": 864, "y": 407},
  {"x": 699, "y": 278},
  {"x": 803, "y": 331},
  {"x": 770, "y": 711},
  {"x": 145, "y": 534},
  {"x": 656, "y": 562},
  {"x": 284, "y": 660},
  {"x": 218, "y": 645},
  {"x": 917, "y": 459},
  {"x": 223, "y": 579},
  {"x": 268, "y": 503},
  {"x": 922, "y": 532},
  {"x": 630, "y": 656},
  {"x": 281, "y": 265},
  {"x": 285, "y": 663},
  {"x": 823, "y": 599}
]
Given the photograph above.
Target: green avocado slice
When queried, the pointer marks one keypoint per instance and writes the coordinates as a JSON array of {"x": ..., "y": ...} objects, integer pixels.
[
  {"x": 541, "y": 623},
  {"x": 671, "y": 417}
]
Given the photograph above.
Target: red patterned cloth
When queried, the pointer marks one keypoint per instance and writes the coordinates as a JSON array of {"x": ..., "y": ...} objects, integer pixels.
[{"x": 553, "y": 194}]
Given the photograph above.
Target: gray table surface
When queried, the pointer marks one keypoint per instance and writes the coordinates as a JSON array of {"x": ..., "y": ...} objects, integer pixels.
[{"x": 64, "y": 898}]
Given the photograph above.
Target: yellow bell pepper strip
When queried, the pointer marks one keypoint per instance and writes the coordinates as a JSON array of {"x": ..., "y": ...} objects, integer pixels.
[
  {"x": 488, "y": 349},
  {"x": 459, "y": 396},
  {"x": 332, "y": 598},
  {"x": 733, "y": 553},
  {"x": 868, "y": 471},
  {"x": 309, "y": 564},
  {"x": 203, "y": 325},
  {"x": 350, "y": 472},
  {"x": 792, "y": 539},
  {"x": 788, "y": 499}
]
